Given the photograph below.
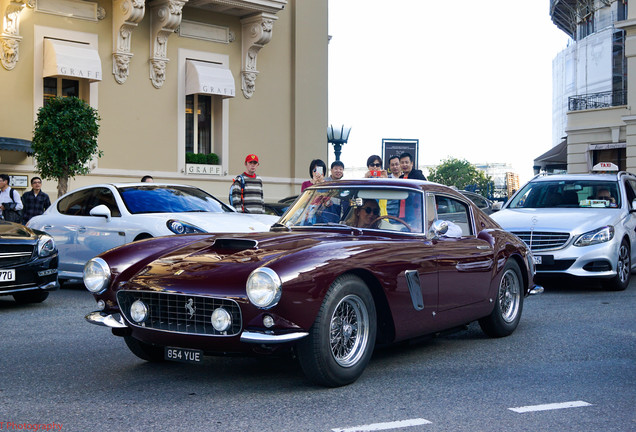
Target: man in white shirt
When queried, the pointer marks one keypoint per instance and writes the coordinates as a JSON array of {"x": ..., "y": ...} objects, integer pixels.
[{"x": 9, "y": 198}]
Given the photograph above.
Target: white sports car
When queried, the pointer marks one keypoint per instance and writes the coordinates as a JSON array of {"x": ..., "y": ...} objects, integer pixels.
[
  {"x": 577, "y": 225},
  {"x": 93, "y": 219}
]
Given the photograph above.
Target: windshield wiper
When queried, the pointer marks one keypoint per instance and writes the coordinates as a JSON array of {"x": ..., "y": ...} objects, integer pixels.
[
  {"x": 333, "y": 224},
  {"x": 278, "y": 226}
]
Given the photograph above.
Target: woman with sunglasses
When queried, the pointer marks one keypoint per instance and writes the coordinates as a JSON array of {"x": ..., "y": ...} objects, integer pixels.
[
  {"x": 374, "y": 163},
  {"x": 367, "y": 213}
]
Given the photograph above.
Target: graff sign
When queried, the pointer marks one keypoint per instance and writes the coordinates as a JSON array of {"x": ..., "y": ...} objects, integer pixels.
[{"x": 203, "y": 169}]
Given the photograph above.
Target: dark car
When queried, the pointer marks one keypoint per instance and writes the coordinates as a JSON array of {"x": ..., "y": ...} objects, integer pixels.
[
  {"x": 351, "y": 265},
  {"x": 280, "y": 207},
  {"x": 484, "y": 204},
  {"x": 28, "y": 263}
]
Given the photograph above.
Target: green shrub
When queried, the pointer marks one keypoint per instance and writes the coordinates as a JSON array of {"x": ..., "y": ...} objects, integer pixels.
[{"x": 200, "y": 158}]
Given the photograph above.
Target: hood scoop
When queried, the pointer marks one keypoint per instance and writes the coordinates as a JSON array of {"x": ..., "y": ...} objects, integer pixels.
[{"x": 234, "y": 244}]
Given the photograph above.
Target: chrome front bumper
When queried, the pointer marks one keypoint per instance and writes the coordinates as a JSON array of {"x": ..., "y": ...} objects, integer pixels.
[
  {"x": 106, "y": 320},
  {"x": 116, "y": 321}
]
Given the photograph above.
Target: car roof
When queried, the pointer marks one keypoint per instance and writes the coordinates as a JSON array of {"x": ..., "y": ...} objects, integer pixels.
[{"x": 589, "y": 176}]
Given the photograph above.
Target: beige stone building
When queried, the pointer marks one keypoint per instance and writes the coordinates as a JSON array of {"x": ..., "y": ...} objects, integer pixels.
[
  {"x": 170, "y": 77},
  {"x": 594, "y": 86}
]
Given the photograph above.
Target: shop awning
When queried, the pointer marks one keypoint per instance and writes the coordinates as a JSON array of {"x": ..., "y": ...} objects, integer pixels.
[
  {"x": 557, "y": 155},
  {"x": 208, "y": 78},
  {"x": 15, "y": 144},
  {"x": 63, "y": 58}
]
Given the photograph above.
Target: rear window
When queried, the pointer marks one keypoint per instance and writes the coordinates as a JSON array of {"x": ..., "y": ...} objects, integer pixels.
[
  {"x": 568, "y": 194},
  {"x": 169, "y": 199}
]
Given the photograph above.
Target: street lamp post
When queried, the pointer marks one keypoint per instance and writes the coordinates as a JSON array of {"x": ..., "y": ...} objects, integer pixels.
[{"x": 338, "y": 137}]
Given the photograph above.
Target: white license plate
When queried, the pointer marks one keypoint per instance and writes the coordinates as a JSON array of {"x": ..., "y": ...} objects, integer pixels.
[
  {"x": 537, "y": 259},
  {"x": 7, "y": 275},
  {"x": 183, "y": 355}
]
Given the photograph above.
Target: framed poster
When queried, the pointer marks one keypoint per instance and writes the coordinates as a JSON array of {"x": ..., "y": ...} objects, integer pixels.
[{"x": 395, "y": 147}]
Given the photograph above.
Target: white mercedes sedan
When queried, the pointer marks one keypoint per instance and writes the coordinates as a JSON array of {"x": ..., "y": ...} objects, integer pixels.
[
  {"x": 580, "y": 225},
  {"x": 93, "y": 219}
]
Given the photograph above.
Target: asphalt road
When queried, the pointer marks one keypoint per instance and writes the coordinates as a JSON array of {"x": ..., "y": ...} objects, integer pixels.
[{"x": 574, "y": 352}]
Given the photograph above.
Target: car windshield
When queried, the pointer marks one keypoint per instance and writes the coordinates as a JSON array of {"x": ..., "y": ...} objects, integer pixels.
[
  {"x": 391, "y": 209},
  {"x": 568, "y": 194},
  {"x": 169, "y": 199}
]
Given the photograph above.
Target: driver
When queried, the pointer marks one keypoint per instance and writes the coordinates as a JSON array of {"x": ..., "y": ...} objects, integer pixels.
[
  {"x": 366, "y": 214},
  {"x": 604, "y": 194}
]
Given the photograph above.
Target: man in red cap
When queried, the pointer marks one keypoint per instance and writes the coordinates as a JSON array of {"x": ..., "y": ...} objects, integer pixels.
[{"x": 246, "y": 192}]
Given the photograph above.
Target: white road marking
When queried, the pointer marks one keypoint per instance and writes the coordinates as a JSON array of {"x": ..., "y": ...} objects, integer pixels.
[
  {"x": 385, "y": 426},
  {"x": 552, "y": 406}
]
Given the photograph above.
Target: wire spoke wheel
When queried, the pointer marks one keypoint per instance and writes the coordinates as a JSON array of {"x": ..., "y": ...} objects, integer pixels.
[
  {"x": 341, "y": 340},
  {"x": 349, "y": 331},
  {"x": 509, "y": 295},
  {"x": 508, "y": 303}
]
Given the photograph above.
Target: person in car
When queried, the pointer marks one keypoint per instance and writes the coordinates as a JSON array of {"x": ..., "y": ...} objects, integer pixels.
[
  {"x": 366, "y": 214},
  {"x": 604, "y": 194}
]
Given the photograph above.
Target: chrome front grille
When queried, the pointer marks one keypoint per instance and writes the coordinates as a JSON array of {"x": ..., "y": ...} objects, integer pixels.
[
  {"x": 541, "y": 240},
  {"x": 180, "y": 313},
  {"x": 15, "y": 254}
]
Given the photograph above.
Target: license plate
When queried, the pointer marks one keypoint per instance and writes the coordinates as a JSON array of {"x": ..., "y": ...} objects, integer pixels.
[
  {"x": 538, "y": 259},
  {"x": 183, "y": 355},
  {"x": 7, "y": 275}
]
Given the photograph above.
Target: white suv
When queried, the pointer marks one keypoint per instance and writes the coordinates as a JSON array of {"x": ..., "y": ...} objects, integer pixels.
[{"x": 577, "y": 224}]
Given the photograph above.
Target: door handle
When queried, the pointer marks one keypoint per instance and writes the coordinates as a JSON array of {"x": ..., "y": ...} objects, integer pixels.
[{"x": 81, "y": 229}]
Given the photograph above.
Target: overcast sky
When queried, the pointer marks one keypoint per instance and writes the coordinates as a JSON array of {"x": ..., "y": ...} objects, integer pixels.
[{"x": 469, "y": 79}]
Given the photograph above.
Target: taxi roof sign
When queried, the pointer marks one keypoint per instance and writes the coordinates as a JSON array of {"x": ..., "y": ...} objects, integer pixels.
[{"x": 604, "y": 167}]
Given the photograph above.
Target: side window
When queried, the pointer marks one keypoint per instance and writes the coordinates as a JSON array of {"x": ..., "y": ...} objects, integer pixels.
[
  {"x": 455, "y": 212},
  {"x": 105, "y": 196},
  {"x": 75, "y": 203},
  {"x": 480, "y": 202},
  {"x": 630, "y": 188}
]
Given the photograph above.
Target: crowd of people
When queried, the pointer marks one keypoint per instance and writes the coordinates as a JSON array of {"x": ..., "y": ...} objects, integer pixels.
[{"x": 246, "y": 191}]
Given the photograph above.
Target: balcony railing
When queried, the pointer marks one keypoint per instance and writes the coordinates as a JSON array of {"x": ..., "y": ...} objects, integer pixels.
[{"x": 597, "y": 100}]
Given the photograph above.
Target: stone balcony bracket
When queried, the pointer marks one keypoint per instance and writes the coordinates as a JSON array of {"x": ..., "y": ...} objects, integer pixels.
[
  {"x": 10, "y": 36},
  {"x": 165, "y": 17},
  {"x": 127, "y": 14},
  {"x": 256, "y": 33}
]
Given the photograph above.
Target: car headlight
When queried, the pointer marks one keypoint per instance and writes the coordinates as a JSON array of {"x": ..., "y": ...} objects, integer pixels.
[
  {"x": 139, "y": 311},
  {"x": 96, "y": 275},
  {"x": 46, "y": 246},
  {"x": 264, "y": 288},
  {"x": 180, "y": 227},
  {"x": 221, "y": 319},
  {"x": 600, "y": 235}
]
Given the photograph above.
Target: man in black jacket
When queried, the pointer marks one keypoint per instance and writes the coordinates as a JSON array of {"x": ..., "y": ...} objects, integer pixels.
[
  {"x": 35, "y": 201},
  {"x": 406, "y": 163}
]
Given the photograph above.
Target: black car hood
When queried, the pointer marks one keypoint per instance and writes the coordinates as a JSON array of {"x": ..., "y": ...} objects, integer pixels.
[{"x": 10, "y": 230}]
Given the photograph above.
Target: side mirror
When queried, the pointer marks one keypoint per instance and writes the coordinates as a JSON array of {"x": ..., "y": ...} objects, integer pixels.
[
  {"x": 101, "y": 211},
  {"x": 496, "y": 206},
  {"x": 438, "y": 228}
]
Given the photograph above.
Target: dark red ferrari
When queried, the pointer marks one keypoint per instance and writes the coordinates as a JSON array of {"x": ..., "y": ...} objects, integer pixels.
[{"x": 351, "y": 264}]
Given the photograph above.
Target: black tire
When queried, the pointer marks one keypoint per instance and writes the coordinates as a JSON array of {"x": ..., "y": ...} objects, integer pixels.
[
  {"x": 623, "y": 269},
  {"x": 143, "y": 350},
  {"x": 341, "y": 340},
  {"x": 30, "y": 296},
  {"x": 505, "y": 316}
]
